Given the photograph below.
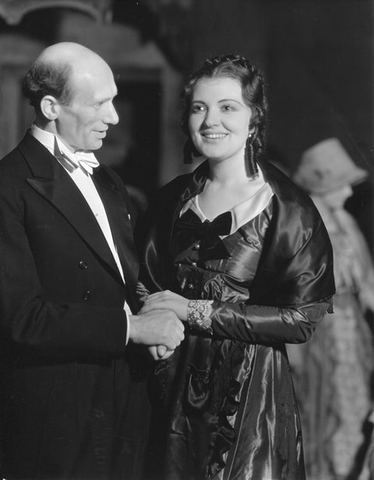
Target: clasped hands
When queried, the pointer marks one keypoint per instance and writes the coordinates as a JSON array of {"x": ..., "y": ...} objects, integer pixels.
[{"x": 168, "y": 310}]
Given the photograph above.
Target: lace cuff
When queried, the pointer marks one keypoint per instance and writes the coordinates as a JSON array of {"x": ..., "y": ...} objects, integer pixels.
[{"x": 198, "y": 315}]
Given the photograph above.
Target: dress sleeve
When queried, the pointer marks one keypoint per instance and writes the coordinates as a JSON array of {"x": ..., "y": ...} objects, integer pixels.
[{"x": 266, "y": 325}]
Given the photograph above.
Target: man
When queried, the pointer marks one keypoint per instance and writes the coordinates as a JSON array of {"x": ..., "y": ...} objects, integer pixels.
[{"x": 68, "y": 273}]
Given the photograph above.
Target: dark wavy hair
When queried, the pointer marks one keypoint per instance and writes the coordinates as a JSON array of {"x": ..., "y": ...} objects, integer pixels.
[
  {"x": 47, "y": 79},
  {"x": 253, "y": 90}
]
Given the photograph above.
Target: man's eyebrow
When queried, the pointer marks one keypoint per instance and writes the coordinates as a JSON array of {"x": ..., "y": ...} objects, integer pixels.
[{"x": 106, "y": 99}]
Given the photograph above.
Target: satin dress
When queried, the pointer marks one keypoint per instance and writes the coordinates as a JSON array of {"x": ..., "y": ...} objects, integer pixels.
[{"x": 224, "y": 404}]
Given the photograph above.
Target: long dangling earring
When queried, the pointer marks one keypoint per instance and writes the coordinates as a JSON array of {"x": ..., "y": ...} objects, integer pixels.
[
  {"x": 187, "y": 151},
  {"x": 250, "y": 156}
]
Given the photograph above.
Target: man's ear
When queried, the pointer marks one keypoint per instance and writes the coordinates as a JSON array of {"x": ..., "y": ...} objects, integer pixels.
[{"x": 50, "y": 107}]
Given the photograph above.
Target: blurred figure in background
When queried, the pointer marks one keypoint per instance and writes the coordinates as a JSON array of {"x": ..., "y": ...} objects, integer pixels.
[{"x": 333, "y": 371}]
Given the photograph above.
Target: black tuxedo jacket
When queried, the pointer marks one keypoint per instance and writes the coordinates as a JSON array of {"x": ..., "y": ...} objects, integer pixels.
[{"x": 67, "y": 384}]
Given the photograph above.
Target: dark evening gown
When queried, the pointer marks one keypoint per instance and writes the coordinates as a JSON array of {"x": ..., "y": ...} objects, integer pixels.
[{"x": 224, "y": 404}]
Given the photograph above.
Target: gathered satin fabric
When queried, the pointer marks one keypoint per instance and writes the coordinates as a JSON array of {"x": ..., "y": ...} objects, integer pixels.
[{"x": 224, "y": 405}]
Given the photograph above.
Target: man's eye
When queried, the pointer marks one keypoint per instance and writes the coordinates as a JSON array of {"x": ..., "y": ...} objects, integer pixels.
[{"x": 99, "y": 104}]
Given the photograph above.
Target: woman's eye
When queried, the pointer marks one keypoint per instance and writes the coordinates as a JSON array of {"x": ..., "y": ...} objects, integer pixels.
[
  {"x": 228, "y": 108},
  {"x": 197, "y": 108}
]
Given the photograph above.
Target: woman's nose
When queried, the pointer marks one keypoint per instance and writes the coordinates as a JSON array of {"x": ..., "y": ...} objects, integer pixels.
[{"x": 211, "y": 118}]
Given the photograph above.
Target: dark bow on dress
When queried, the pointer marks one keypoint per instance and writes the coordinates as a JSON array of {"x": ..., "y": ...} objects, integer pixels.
[{"x": 191, "y": 231}]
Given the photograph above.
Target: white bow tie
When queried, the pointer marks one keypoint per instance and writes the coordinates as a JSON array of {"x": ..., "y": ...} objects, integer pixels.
[{"x": 86, "y": 161}]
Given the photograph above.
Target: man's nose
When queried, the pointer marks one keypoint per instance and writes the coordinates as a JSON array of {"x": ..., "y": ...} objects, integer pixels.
[{"x": 112, "y": 115}]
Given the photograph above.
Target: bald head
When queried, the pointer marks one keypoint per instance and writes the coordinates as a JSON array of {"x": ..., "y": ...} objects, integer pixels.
[
  {"x": 71, "y": 55},
  {"x": 55, "y": 68},
  {"x": 72, "y": 90},
  {"x": 65, "y": 51}
]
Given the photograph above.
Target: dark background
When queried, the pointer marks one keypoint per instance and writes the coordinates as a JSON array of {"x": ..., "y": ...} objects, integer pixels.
[{"x": 317, "y": 57}]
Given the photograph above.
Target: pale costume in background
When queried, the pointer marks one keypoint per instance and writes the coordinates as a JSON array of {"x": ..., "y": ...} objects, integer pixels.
[{"x": 333, "y": 371}]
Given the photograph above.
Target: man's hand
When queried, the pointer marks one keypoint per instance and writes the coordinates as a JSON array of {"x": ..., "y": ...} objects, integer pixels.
[{"x": 158, "y": 327}]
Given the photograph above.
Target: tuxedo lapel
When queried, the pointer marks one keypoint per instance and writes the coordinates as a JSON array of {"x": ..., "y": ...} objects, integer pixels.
[
  {"x": 118, "y": 216},
  {"x": 55, "y": 185}
]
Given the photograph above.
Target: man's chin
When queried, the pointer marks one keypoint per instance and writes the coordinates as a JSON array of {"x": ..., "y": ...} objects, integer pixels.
[{"x": 96, "y": 145}]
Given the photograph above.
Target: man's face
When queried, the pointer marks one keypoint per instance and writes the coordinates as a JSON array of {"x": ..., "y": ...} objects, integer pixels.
[{"x": 82, "y": 124}]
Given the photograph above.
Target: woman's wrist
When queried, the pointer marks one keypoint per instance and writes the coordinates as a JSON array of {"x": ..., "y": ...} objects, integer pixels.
[{"x": 198, "y": 315}]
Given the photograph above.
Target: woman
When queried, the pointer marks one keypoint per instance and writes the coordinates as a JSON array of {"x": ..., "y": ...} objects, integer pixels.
[
  {"x": 247, "y": 264},
  {"x": 334, "y": 371}
]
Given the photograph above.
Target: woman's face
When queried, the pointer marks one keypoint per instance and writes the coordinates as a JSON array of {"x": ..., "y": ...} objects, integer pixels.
[
  {"x": 336, "y": 198},
  {"x": 219, "y": 118}
]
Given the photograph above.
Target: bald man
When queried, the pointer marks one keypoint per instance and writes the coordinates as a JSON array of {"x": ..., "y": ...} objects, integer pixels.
[{"x": 73, "y": 405}]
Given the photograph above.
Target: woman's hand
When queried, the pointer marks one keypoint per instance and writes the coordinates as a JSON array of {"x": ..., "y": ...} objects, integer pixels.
[
  {"x": 160, "y": 352},
  {"x": 166, "y": 300}
]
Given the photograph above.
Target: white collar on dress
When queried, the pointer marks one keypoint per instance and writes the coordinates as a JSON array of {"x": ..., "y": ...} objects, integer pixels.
[{"x": 242, "y": 212}]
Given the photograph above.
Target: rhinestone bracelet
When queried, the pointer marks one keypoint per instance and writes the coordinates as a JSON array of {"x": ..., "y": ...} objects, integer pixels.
[{"x": 198, "y": 315}]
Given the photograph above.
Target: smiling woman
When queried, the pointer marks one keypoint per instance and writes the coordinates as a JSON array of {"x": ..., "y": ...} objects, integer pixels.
[
  {"x": 241, "y": 256},
  {"x": 219, "y": 120}
]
